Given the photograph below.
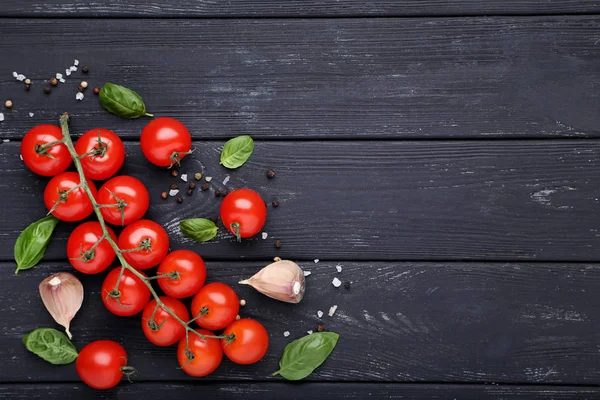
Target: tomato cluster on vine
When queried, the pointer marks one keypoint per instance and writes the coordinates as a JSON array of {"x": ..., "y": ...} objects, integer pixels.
[{"x": 143, "y": 244}]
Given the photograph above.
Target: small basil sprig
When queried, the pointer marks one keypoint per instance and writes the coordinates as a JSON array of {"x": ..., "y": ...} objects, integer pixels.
[
  {"x": 198, "y": 229},
  {"x": 302, "y": 356},
  {"x": 237, "y": 151},
  {"x": 51, "y": 345},
  {"x": 121, "y": 101},
  {"x": 32, "y": 242}
]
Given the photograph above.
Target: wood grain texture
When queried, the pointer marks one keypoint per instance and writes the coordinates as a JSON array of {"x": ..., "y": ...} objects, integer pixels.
[
  {"x": 433, "y": 322},
  {"x": 507, "y": 77},
  {"x": 301, "y": 391},
  {"x": 291, "y": 8},
  {"x": 448, "y": 200}
]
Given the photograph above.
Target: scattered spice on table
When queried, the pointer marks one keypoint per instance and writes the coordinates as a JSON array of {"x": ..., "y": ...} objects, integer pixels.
[
  {"x": 85, "y": 69},
  {"x": 96, "y": 90},
  {"x": 270, "y": 174},
  {"x": 164, "y": 195},
  {"x": 198, "y": 176},
  {"x": 275, "y": 203},
  {"x": 174, "y": 172},
  {"x": 320, "y": 327},
  {"x": 204, "y": 187},
  {"x": 174, "y": 186},
  {"x": 54, "y": 81},
  {"x": 277, "y": 243},
  {"x": 8, "y": 104},
  {"x": 179, "y": 199},
  {"x": 47, "y": 90}
]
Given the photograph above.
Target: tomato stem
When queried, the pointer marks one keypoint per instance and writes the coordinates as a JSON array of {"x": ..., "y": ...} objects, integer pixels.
[{"x": 235, "y": 229}]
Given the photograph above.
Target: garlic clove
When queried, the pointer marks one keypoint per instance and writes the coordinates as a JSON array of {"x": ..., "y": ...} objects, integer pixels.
[
  {"x": 282, "y": 280},
  {"x": 62, "y": 294}
]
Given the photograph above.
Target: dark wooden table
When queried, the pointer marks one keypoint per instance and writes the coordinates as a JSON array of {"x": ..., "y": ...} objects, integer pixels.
[{"x": 445, "y": 153}]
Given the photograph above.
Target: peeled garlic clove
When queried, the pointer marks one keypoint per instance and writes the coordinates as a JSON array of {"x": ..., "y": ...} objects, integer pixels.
[
  {"x": 282, "y": 280},
  {"x": 62, "y": 294}
]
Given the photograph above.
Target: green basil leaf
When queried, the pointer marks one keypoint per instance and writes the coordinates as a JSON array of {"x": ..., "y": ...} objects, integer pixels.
[
  {"x": 32, "y": 242},
  {"x": 198, "y": 229},
  {"x": 237, "y": 151},
  {"x": 121, "y": 101},
  {"x": 52, "y": 345},
  {"x": 302, "y": 356}
]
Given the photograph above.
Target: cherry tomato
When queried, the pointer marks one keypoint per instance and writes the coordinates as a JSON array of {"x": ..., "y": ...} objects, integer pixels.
[
  {"x": 151, "y": 240},
  {"x": 79, "y": 248},
  {"x": 165, "y": 141},
  {"x": 131, "y": 297},
  {"x": 243, "y": 213},
  {"x": 219, "y": 305},
  {"x": 45, "y": 161},
  {"x": 129, "y": 193},
  {"x": 70, "y": 207},
  {"x": 163, "y": 329},
  {"x": 250, "y": 343},
  {"x": 105, "y": 153},
  {"x": 102, "y": 364},
  {"x": 185, "y": 274},
  {"x": 202, "y": 356}
]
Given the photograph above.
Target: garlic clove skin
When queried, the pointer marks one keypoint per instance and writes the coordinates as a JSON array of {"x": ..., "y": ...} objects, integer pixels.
[
  {"x": 62, "y": 294},
  {"x": 282, "y": 280}
]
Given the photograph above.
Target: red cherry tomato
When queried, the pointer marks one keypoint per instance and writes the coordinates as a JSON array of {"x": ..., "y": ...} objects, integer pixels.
[
  {"x": 70, "y": 207},
  {"x": 101, "y": 364},
  {"x": 163, "y": 329},
  {"x": 105, "y": 153},
  {"x": 184, "y": 274},
  {"x": 218, "y": 304},
  {"x": 129, "y": 193},
  {"x": 79, "y": 248},
  {"x": 202, "y": 356},
  {"x": 243, "y": 213},
  {"x": 250, "y": 343},
  {"x": 151, "y": 240},
  {"x": 165, "y": 141},
  {"x": 45, "y": 161},
  {"x": 131, "y": 297}
]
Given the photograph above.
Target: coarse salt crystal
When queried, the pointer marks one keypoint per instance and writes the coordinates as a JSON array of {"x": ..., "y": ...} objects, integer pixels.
[
  {"x": 286, "y": 333},
  {"x": 173, "y": 192},
  {"x": 75, "y": 62},
  {"x": 15, "y": 74},
  {"x": 265, "y": 235},
  {"x": 332, "y": 310},
  {"x": 309, "y": 332},
  {"x": 21, "y": 157},
  {"x": 20, "y": 77},
  {"x": 184, "y": 177},
  {"x": 319, "y": 313},
  {"x": 58, "y": 75},
  {"x": 1, "y": 117},
  {"x": 226, "y": 180},
  {"x": 208, "y": 178},
  {"x": 72, "y": 68},
  {"x": 338, "y": 268},
  {"x": 31, "y": 114},
  {"x": 62, "y": 80},
  {"x": 67, "y": 72},
  {"x": 6, "y": 140},
  {"x": 316, "y": 260},
  {"x": 336, "y": 282},
  {"x": 307, "y": 273},
  {"x": 79, "y": 96}
]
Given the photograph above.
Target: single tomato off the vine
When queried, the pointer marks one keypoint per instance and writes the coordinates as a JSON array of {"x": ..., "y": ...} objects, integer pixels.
[
  {"x": 124, "y": 199},
  {"x": 144, "y": 244},
  {"x": 129, "y": 298},
  {"x": 250, "y": 342},
  {"x": 83, "y": 256},
  {"x": 102, "y": 153},
  {"x": 243, "y": 213},
  {"x": 165, "y": 141},
  {"x": 66, "y": 202},
  {"x": 201, "y": 356},
  {"x": 218, "y": 304},
  {"x": 40, "y": 155},
  {"x": 183, "y": 274},
  {"x": 159, "y": 326},
  {"x": 102, "y": 364}
]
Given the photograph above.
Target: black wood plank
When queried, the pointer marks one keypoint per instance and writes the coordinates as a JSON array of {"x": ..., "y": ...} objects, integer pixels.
[
  {"x": 505, "y": 200},
  {"x": 343, "y": 78},
  {"x": 291, "y": 8},
  {"x": 299, "y": 391},
  {"x": 399, "y": 322}
]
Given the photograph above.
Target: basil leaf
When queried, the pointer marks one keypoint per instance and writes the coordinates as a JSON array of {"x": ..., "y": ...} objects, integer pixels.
[
  {"x": 302, "y": 356},
  {"x": 121, "y": 101},
  {"x": 198, "y": 229},
  {"x": 32, "y": 242},
  {"x": 237, "y": 151},
  {"x": 52, "y": 345}
]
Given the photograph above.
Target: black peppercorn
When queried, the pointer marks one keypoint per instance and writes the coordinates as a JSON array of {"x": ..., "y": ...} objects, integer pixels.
[
  {"x": 204, "y": 187},
  {"x": 174, "y": 172},
  {"x": 189, "y": 191},
  {"x": 277, "y": 244},
  {"x": 275, "y": 203},
  {"x": 47, "y": 90},
  {"x": 96, "y": 90},
  {"x": 192, "y": 185},
  {"x": 218, "y": 193},
  {"x": 174, "y": 186},
  {"x": 85, "y": 70},
  {"x": 179, "y": 199},
  {"x": 80, "y": 89},
  {"x": 27, "y": 87},
  {"x": 54, "y": 81},
  {"x": 163, "y": 195},
  {"x": 320, "y": 327},
  {"x": 270, "y": 174}
]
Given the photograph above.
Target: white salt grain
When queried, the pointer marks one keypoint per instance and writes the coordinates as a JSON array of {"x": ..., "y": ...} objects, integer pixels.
[
  {"x": 21, "y": 157},
  {"x": 307, "y": 273},
  {"x": 265, "y": 235},
  {"x": 332, "y": 310},
  {"x": 184, "y": 177},
  {"x": 68, "y": 72},
  {"x": 309, "y": 332},
  {"x": 1, "y": 117},
  {"x": 336, "y": 282},
  {"x": 286, "y": 333},
  {"x": 79, "y": 96},
  {"x": 319, "y": 313},
  {"x": 173, "y": 192},
  {"x": 6, "y": 140},
  {"x": 58, "y": 75},
  {"x": 316, "y": 260},
  {"x": 31, "y": 114},
  {"x": 75, "y": 62},
  {"x": 208, "y": 178},
  {"x": 21, "y": 77},
  {"x": 15, "y": 74},
  {"x": 72, "y": 68},
  {"x": 62, "y": 80},
  {"x": 338, "y": 268},
  {"x": 226, "y": 180}
]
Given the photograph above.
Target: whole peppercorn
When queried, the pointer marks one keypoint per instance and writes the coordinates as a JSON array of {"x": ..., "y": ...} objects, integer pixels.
[
  {"x": 28, "y": 81},
  {"x": 218, "y": 193},
  {"x": 54, "y": 81},
  {"x": 275, "y": 203},
  {"x": 8, "y": 104},
  {"x": 189, "y": 192},
  {"x": 47, "y": 90},
  {"x": 204, "y": 187},
  {"x": 320, "y": 327},
  {"x": 179, "y": 199},
  {"x": 96, "y": 90},
  {"x": 85, "y": 70},
  {"x": 192, "y": 185},
  {"x": 83, "y": 84},
  {"x": 27, "y": 87},
  {"x": 270, "y": 174},
  {"x": 197, "y": 176},
  {"x": 174, "y": 186},
  {"x": 163, "y": 195},
  {"x": 224, "y": 192},
  {"x": 80, "y": 89},
  {"x": 174, "y": 172},
  {"x": 277, "y": 243}
]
